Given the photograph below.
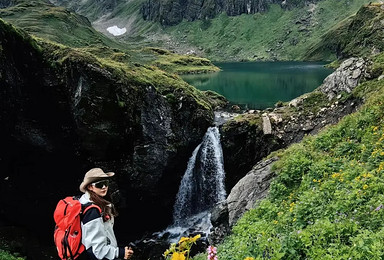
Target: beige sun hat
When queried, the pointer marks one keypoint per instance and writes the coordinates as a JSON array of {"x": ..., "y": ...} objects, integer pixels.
[{"x": 94, "y": 175}]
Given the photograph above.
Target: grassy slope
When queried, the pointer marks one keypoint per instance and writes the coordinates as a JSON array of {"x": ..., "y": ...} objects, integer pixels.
[
  {"x": 327, "y": 200},
  {"x": 277, "y": 34},
  {"x": 360, "y": 35},
  {"x": 59, "y": 25},
  {"x": 54, "y": 23}
]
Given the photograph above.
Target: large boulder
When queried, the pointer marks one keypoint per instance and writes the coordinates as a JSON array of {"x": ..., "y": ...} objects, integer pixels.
[
  {"x": 346, "y": 77},
  {"x": 251, "y": 188}
]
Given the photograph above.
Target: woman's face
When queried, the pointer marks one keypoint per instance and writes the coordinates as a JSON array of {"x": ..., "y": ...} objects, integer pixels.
[{"x": 99, "y": 187}]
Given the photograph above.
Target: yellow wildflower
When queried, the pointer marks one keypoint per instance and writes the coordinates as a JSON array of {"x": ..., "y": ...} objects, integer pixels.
[
  {"x": 195, "y": 238},
  {"x": 177, "y": 256},
  {"x": 249, "y": 258},
  {"x": 182, "y": 239},
  {"x": 365, "y": 187},
  {"x": 275, "y": 222}
]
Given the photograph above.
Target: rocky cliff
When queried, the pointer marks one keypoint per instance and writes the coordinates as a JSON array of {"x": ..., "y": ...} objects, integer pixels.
[
  {"x": 64, "y": 111},
  {"x": 172, "y": 12}
]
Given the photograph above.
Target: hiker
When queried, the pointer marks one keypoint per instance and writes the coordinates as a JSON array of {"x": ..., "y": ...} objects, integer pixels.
[{"x": 98, "y": 236}]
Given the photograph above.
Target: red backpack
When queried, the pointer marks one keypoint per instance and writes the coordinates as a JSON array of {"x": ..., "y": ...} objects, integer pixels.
[{"x": 67, "y": 235}]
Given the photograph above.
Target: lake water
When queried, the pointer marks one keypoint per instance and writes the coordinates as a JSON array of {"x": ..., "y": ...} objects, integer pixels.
[{"x": 258, "y": 85}]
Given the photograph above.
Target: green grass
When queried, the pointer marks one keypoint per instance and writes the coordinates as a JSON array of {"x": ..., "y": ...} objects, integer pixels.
[
  {"x": 325, "y": 202},
  {"x": 4, "y": 255},
  {"x": 181, "y": 64}
]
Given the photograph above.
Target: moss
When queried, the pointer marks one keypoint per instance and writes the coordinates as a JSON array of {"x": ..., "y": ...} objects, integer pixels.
[
  {"x": 217, "y": 100},
  {"x": 158, "y": 51},
  {"x": 251, "y": 119},
  {"x": 378, "y": 65},
  {"x": 180, "y": 64}
]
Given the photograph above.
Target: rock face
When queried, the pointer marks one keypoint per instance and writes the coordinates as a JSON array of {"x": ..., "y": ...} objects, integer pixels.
[
  {"x": 350, "y": 73},
  {"x": 6, "y": 3},
  {"x": 250, "y": 189},
  {"x": 172, "y": 12},
  {"x": 244, "y": 144},
  {"x": 100, "y": 7},
  {"x": 59, "y": 119}
]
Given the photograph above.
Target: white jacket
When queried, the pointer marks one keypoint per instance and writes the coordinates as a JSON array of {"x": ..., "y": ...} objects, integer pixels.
[{"x": 98, "y": 236}]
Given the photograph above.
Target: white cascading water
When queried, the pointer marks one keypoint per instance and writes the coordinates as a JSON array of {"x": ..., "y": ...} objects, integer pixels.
[{"x": 202, "y": 186}]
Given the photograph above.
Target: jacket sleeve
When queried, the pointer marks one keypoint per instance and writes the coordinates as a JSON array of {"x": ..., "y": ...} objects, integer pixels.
[{"x": 94, "y": 237}]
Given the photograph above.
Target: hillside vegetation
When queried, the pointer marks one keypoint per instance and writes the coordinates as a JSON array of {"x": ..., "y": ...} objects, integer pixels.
[
  {"x": 275, "y": 35},
  {"x": 360, "y": 35},
  {"x": 327, "y": 199},
  {"x": 57, "y": 24}
]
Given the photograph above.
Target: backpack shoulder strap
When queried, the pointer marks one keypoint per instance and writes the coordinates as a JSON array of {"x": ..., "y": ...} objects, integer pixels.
[{"x": 85, "y": 207}]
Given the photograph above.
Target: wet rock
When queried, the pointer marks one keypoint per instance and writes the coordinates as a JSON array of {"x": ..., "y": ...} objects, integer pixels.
[{"x": 220, "y": 223}]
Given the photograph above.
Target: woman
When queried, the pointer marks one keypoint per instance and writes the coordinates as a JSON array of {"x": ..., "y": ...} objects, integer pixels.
[{"x": 98, "y": 236}]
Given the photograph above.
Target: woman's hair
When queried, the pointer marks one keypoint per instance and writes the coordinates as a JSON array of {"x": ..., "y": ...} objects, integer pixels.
[{"x": 107, "y": 208}]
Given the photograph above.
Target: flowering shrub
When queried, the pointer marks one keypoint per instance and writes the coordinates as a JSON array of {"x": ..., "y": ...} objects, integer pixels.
[{"x": 181, "y": 250}]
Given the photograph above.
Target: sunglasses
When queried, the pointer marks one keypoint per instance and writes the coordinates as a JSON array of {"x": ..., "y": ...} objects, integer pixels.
[{"x": 101, "y": 184}]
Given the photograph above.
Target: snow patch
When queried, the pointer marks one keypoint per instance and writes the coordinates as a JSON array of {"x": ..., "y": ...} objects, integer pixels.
[{"x": 116, "y": 31}]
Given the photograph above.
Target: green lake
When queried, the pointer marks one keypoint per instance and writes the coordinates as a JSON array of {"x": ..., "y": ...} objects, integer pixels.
[{"x": 258, "y": 85}]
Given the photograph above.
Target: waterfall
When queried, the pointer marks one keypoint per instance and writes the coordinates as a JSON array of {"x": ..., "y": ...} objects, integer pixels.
[{"x": 202, "y": 186}]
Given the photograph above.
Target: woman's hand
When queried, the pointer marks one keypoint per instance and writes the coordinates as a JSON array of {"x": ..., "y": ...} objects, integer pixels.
[{"x": 128, "y": 252}]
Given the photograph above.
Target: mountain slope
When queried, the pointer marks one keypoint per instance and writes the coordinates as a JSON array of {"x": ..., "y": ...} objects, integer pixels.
[
  {"x": 275, "y": 35},
  {"x": 279, "y": 32},
  {"x": 42, "y": 19},
  {"x": 54, "y": 23},
  {"x": 360, "y": 35}
]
